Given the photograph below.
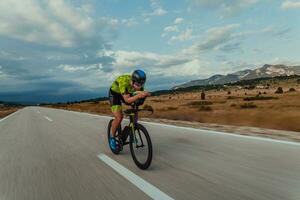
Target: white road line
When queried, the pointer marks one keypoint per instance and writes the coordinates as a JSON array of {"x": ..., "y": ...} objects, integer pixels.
[
  {"x": 226, "y": 134},
  {"x": 9, "y": 116},
  {"x": 199, "y": 130},
  {"x": 208, "y": 131},
  {"x": 48, "y": 118},
  {"x": 140, "y": 183}
]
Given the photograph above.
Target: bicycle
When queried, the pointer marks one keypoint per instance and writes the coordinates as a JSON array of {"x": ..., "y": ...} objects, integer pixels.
[{"x": 137, "y": 134}]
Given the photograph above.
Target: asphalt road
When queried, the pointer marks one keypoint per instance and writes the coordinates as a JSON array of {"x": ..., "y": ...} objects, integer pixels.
[{"x": 54, "y": 154}]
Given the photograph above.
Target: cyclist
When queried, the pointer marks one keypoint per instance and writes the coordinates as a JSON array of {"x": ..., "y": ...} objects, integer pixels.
[{"x": 127, "y": 89}]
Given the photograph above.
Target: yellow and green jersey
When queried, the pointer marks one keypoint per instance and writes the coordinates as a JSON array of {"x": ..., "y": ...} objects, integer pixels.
[{"x": 122, "y": 85}]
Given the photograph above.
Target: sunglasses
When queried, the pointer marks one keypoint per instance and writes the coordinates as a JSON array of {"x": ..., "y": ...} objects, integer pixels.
[{"x": 138, "y": 84}]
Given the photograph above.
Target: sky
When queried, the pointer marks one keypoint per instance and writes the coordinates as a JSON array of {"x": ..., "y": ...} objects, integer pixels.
[{"x": 63, "y": 50}]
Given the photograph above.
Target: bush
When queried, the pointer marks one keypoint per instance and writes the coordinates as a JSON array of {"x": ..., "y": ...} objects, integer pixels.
[
  {"x": 233, "y": 97},
  {"x": 248, "y": 105},
  {"x": 205, "y": 108},
  {"x": 157, "y": 100},
  {"x": 292, "y": 90},
  {"x": 233, "y": 105},
  {"x": 199, "y": 103},
  {"x": 172, "y": 108},
  {"x": 279, "y": 90},
  {"x": 202, "y": 95},
  {"x": 229, "y": 92},
  {"x": 259, "y": 98},
  {"x": 147, "y": 107},
  {"x": 250, "y": 87}
]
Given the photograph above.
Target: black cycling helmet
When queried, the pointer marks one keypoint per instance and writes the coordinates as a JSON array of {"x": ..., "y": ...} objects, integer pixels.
[{"x": 139, "y": 76}]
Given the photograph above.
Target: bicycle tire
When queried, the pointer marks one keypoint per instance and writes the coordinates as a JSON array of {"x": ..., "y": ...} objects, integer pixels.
[{"x": 147, "y": 163}]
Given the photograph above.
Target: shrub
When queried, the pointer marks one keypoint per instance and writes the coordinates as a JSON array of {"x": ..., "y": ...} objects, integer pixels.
[
  {"x": 233, "y": 97},
  {"x": 250, "y": 87},
  {"x": 292, "y": 90},
  {"x": 248, "y": 105},
  {"x": 199, "y": 103},
  {"x": 147, "y": 107},
  {"x": 205, "y": 108},
  {"x": 172, "y": 108},
  {"x": 259, "y": 98},
  {"x": 229, "y": 92},
  {"x": 157, "y": 100},
  {"x": 202, "y": 95},
  {"x": 233, "y": 105},
  {"x": 279, "y": 90}
]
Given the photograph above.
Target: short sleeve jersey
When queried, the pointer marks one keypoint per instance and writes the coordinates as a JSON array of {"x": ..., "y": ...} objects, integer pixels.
[{"x": 122, "y": 85}]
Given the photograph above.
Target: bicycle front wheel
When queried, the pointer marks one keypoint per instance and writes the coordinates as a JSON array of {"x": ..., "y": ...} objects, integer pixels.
[{"x": 141, "y": 146}]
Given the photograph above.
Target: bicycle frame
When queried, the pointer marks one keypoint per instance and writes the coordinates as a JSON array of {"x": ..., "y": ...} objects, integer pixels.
[
  {"x": 132, "y": 113},
  {"x": 132, "y": 122}
]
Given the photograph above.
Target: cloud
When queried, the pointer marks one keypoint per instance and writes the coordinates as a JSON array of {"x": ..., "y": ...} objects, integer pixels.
[
  {"x": 214, "y": 38},
  {"x": 183, "y": 36},
  {"x": 57, "y": 91},
  {"x": 55, "y": 23},
  {"x": 129, "y": 22},
  {"x": 178, "y": 20},
  {"x": 147, "y": 19},
  {"x": 275, "y": 31},
  {"x": 230, "y": 47},
  {"x": 54, "y": 42},
  {"x": 157, "y": 10},
  {"x": 287, "y": 4},
  {"x": 174, "y": 65},
  {"x": 228, "y": 8},
  {"x": 2, "y": 74},
  {"x": 171, "y": 29}
]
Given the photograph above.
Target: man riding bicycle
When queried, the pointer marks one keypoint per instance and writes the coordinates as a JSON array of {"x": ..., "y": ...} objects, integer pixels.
[{"x": 127, "y": 89}]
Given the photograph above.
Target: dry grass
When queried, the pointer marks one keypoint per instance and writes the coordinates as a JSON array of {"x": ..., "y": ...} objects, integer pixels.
[
  {"x": 276, "y": 111},
  {"x": 248, "y": 105},
  {"x": 7, "y": 110}
]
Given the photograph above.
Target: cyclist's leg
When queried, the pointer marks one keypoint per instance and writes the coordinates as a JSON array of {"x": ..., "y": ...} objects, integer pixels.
[
  {"x": 117, "y": 120},
  {"x": 116, "y": 108}
]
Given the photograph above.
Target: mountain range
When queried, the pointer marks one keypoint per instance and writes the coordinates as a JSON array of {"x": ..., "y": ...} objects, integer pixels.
[{"x": 262, "y": 72}]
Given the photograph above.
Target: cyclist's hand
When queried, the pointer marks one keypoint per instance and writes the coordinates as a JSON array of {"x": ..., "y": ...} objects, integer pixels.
[{"x": 145, "y": 94}]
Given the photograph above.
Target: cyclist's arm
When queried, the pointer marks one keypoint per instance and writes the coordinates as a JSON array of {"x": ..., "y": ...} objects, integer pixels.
[{"x": 129, "y": 99}]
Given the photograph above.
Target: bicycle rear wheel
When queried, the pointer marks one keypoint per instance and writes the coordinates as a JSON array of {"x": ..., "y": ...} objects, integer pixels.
[
  {"x": 141, "y": 147},
  {"x": 109, "y": 135}
]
